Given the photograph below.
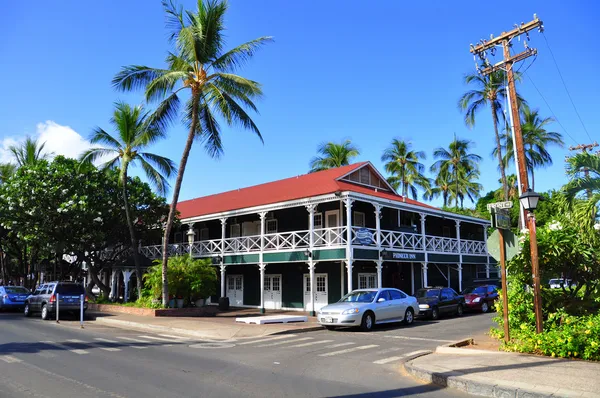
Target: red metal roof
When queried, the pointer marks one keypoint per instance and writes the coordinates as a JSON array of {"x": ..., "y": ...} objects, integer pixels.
[{"x": 300, "y": 187}]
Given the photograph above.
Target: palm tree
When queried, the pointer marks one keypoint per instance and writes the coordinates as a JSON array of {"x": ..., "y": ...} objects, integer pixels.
[
  {"x": 513, "y": 188},
  {"x": 470, "y": 187},
  {"x": 490, "y": 90},
  {"x": 29, "y": 152},
  {"x": 584, "y": 171},
  {"x": 201, "y": 68},
  {"x": 407, "y": 172},
  {"x": 458, "y": 162},
  {"x": 442, "y": 185},
  {"x": 7, "y": 170},
  {"x": 333, "y": 155},
  {"x": 135, "y": 131},
  {"x": 535, "y": 141}
]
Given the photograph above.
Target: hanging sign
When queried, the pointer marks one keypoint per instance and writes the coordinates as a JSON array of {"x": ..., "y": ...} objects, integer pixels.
[{"x": 364, "y": 236}]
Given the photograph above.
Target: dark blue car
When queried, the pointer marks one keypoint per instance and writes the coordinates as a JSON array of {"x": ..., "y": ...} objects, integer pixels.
[{"x": 13, "y": 297}]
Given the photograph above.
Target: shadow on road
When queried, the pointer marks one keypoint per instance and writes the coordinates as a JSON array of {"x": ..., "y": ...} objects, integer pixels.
[{"x": 398, "y": 392}]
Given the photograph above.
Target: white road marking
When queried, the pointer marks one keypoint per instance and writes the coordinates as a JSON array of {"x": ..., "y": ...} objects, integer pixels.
[
  {"x": 175, "y": 337},
  {"x": 284, "y": 342},
  {"x": 309, "y": 344},
  {"x": 348, "y": 350},
  {"x": 158, "y": 339},
  {"x": 106, "y": 340},
  {"x": 392, "y": 349},
  {"x": 339, "y": 345},
  {"x": 111, "y": 349},
  {"x": 419, "y": 338},
  {"x": 394, "y": 359},
  {"x": 46, "y": 354},
  {"x": 134, "y": 340},
  {"x": 9, "y": 359},
  {"x": 287, "y": 336},
  {"x": 64, "y": 347},
  {"x": 410, "y": 354}
]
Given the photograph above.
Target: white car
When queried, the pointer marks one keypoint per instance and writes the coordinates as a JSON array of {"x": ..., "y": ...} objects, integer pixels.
[
  {"x": 558, "y": 283},
  {"x": 366, "y": 307}
]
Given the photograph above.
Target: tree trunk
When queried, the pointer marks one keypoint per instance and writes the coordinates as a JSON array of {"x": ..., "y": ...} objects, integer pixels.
[
  {"x": 176, "y": 189},
  {"x": 456, "y": 193},
  {"x": 499, "y": 149},
  {"x": 134, "y": 241}
]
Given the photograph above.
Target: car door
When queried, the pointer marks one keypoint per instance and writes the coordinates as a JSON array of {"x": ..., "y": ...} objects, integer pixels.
[
  {"x": 399, "y": 304},
  {"x": 448, "y": 301},
  {"x": 383, "y": 309},
  {"x": 492, "y": 294},
  {"x": 36, "y": 299}
]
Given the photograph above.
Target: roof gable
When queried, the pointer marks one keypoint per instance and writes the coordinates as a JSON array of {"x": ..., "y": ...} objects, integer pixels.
[{"x": 367, "y": 175}]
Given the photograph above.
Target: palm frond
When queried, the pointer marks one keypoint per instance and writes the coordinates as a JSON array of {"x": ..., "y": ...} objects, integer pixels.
[
  {"x": 238, "y": 56},
  {"x": 156, "y": 179},
  {"x": 94, "y": 154},
  {"x": 135, "y": 77}
]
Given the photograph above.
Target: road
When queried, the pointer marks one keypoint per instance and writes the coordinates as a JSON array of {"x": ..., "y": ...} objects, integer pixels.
[{"x": 45, "y": 359}]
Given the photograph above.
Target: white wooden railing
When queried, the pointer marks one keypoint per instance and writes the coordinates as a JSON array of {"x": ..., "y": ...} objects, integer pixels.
[
  {"x": 242, "y": 244},
  {"x": 287, "y": 240},
  {"x": 473, "y": 247},
  {"x": 206, "y": 247},
  {"x": 401, "y": 240},
  {"x": 441, "y": 245},
  {"x": 329, "y": 237}
]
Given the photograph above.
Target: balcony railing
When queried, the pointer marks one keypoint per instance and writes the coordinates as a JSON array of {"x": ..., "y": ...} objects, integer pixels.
[{"x": 323, "y": 237}]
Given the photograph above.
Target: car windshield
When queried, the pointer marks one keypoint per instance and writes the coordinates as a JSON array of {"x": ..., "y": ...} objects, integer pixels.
[
  {"x": 359, "y": 297},
  {"x": 475, "y": 290},
  {"x": 71, "y": 289},
  {"x": 427, "y": 293},
  {"x": 15, "y": 289},
  {"x": 556, "y": 281}
]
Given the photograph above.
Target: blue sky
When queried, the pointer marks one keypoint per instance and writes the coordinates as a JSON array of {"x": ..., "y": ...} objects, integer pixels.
[{"x": 366, "y": 71}]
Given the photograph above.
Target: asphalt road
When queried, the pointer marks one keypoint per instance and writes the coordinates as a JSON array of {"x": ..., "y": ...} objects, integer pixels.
[{"x": 45, "y": 359}]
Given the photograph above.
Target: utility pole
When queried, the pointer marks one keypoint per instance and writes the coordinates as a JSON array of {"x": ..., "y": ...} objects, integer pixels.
[
  {"x": 584, "y": 148},
  {"x": 507, "y": 64}
]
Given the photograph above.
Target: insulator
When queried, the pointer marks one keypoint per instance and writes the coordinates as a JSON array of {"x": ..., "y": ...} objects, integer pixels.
[{"x": 527, "y": 35}]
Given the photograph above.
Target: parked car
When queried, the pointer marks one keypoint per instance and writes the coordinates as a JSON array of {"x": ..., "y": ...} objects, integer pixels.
[
  {"x": 558, "y": 283},
  {"x": 480, "y": 298},
  {"x": 437, "y": 301},
  {"x": 13, "y": 297},
  {"x": 43, "y": 299},
  {"x": 367, "y": 307}
]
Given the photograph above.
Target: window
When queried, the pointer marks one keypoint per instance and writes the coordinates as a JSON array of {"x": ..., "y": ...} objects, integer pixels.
[
  {"x": 234, "y": 230},
  {"x": 318, "y": 220},
  {"x": 70, "y": 289},
  {"x": 385, "y": 294},
  {"x": 367, "y": 281},
  {"x": 365, "y": 176},
  {"x": 203, "y": 233},
  {"x": 359, "y": 219},
  {"x": 492, "y": 289},
  {"x": 271, "y": 226},
  {"x": 397, "y": 295}
]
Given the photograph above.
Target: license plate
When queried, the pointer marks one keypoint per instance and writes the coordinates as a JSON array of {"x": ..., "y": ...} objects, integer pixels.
[{"x": 328, "y": 319}]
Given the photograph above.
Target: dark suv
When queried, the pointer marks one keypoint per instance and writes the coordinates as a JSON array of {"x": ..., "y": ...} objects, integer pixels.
[
  {"x": 43, "y": 299},
  {"x": 437, "y": 301}
]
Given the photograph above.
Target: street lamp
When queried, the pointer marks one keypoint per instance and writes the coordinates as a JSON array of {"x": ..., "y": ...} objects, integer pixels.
[
  {"x": 529, "y": 200},
  {"x": 191, "y": 236}
]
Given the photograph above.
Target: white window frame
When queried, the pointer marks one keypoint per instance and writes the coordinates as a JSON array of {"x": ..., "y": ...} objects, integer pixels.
[
  {"x": 354, "y": 219},
  {"x": 269, "y": 229},
  {"x": 239, "y": 230},
  {"x": 368, "y": 175},
  {"x": 367, "y": 277},
  {"x": 318, "y": 216}
]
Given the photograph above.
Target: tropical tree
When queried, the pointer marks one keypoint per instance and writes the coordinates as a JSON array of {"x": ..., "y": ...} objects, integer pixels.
[
  {"x": 536, "y": 139},
  {"x": 7, "y": 170},
  {"x": 584, "y": 171},
  {"x": 488, "y": 90},
  {"x": 333, "y": 155},
  {"x": 458, "y": 162},
  {"x": 442, "y": 186},
  {"x": 135, "y": 132},
  {"x": 470, "y": 187},
  {"x": 29, "y": 152},
  {"x": 407, "y": 172},
  {"x": 200, "y": 67}
]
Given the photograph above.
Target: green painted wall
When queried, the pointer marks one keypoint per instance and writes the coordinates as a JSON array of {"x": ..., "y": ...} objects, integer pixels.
[
  {"x": 330, "y": 254},
  {"x": 241, "y": 259},
  {"x": 284, "y": 257},
  {"x": 443, "y": 258},
  {"x": 365, "y": 254},
  {"x": 474, "y": 259},
  {"x": 251, "y": 282}
]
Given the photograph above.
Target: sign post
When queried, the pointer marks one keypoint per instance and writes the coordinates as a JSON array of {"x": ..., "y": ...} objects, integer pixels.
[{"x": 81, "y": 302}]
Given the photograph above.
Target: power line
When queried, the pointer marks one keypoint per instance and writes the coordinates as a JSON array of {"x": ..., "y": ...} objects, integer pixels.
[
  {"x": 550, "y": 108},
  {"x": 566, "y": 89}
]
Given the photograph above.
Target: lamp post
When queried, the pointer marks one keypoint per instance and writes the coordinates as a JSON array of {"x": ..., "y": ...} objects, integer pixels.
[
  {"x": 529, "y": 201},
  {"x": 191, "y": 236}
]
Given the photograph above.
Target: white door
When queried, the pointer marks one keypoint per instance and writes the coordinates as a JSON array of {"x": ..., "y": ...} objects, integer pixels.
[
  {"x": 272, "y": 292},
  {"x": 332, "y": 220},
  {"x": 235, "y": 290},
  {"x": 320, "y": 294}
]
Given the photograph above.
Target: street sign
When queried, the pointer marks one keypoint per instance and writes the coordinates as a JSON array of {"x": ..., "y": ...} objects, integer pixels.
[
  {"x": 501, "y": 219},
  {"x": 500, "y": 205},
  {"x": 511, "y": 241}
]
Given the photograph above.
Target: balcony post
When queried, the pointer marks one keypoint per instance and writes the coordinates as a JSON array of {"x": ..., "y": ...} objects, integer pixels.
[
  {"x": 487, "y": 255},
  {"x": 460, "y": 277},
  {"x": 223, "y": 234},
  {"x": 424, "y": 281},
  {"x": 412, "y": 278},
  {"x": 222, "y": 268},
  {"x": 311, "y": 276},
  {"x": 262, "y": 267},
  {"x": 349, "y": 255},
  {"x": 311, "y": 226},
  {"x": 378, "y": 225},
  {"x": 423, "y": 235},
  {"x": 349, "y": 267},
  {"x": 263, "y": 216},
  {"x": 222, "y": 265},
  {"x": 379, "y": 272},
  {"x": 459, "y": 255}
]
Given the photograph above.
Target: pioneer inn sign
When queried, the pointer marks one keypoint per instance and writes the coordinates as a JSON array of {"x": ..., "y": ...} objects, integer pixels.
[{"x": 303, "y": 242}]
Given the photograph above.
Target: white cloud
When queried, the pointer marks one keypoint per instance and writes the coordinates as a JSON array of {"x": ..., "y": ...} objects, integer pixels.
[{"x": 60, "y": 140}]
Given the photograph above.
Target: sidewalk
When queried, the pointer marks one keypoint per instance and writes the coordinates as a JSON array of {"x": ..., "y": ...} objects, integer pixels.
[
  {"x": 213, "y": 328},
  {"x": 503, "y": 374}
]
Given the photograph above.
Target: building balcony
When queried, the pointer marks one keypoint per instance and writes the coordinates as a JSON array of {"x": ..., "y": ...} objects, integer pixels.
[{"x": 322, "y": 238}]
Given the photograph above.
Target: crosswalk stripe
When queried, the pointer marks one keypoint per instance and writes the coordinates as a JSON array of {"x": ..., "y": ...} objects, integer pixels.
[
  {"x": 284, "y": 342},
  {"x": 156, "y": 338},
  {"x": 392, "y": 349},
  {"x": 136, "y": 341},
  {"x": 388, "y": 360},
  {"x": 348, "y": 350},
  {"x": 46, "y": 354},
  {"x": 287, "y": 336},
  {"x": 9, "y": 359},
  {"x": 418, "y": 338},
  {"x": 111, "y": 349},
  {"x": 64, "y": 347},
  {"x": 175, "y": 337},
  {"x": 309, "y": 344},
  {"x": 106, "y": 340},
  {"x": 339, "y": 345}
]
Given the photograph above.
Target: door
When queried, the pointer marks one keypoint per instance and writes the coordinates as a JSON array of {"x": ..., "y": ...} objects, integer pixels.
[
  {"x": 449, "y": 301},
  {"x": 272, "y": 292},
  {"x": 321, "y": 296},
  {"x": 332, "y": 220},
  {"x": 384, "y": 310},
  {"x": 235, "y": 290},
  {"x": 399, "y": 303}
]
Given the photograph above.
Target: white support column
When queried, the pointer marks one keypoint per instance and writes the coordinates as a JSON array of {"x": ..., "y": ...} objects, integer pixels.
[
  {"x": 349, "y": 255},
  {"x": 223, "y": 268},
  {"x": 412, "y": 278},
  {"x": 126, "y": 279},
  {"x": 460, "y": 278},
  {"x": 311, "y": 227},
  {"x": 459, "y": 255},
  {"x": 349, "y": 267},
  {"x": 487, "y": 255},
  {"x": 223, "y": 234},
  {"x": 262, "y": 267},
  {"x": 263, "y": 216},
  {"x": 379, "y": 270},
  {"x": 423, "y": 236},
  {"x": 343, "y": 285},
  {"x": 424, "y": 281},
  {"x": 311, "y": 276},
  {"x": 448, "y": 274},
  {"x": 378, "y": 225}
]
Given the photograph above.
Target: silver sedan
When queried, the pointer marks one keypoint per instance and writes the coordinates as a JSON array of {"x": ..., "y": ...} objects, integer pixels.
[{"x": 367, "y": 307}]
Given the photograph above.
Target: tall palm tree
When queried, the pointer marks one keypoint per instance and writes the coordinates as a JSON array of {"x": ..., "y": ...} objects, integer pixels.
[
  {"x": 458, "y": 162},
  {"x": 536, "y": 139},
  {"x": 6, "y": 171},
  {"x": 489, "y": 90},
  {"x": 29, "y": 152},
  {"x": 513, "y": 188},
  {"x": 588, "y": 182},
  {"x": 470, "y": 187},
  {"x": 201, "y": 68},
  {"x": 407, "y": 172},
  {"x": 333, "y": 155},
  {"x": 135, "y": 132},
  {"x": 442, "y": 185}
]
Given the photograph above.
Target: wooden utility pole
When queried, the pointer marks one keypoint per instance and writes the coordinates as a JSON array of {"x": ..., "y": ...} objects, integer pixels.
[
  {"x": 507, "y": 65},
  {"x": 504, "y": 285}
]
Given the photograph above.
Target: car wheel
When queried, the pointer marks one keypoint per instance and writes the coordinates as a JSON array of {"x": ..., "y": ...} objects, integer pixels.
[
  {"x": 409, "y": 317},
  {"x": 459, "y": 310},
  {"x": 26, "y": 310},
  {"x": 435, "y": 313},
  {"x": 330, "y": 327},
  {"x": 484, "y": 307},
  {"x": 368, "y": 320},
  {"x": 45, "y": 313}
]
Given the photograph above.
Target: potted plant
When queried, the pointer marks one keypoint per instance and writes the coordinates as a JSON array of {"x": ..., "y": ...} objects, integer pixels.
[{"x": 202, "y": 279}]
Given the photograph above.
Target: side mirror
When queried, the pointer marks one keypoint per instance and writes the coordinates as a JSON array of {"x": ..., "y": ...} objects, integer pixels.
[{"x": 380, "y": 300}]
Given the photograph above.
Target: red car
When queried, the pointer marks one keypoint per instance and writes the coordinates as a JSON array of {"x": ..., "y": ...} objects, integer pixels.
[{"x": 480, "y": 298}]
